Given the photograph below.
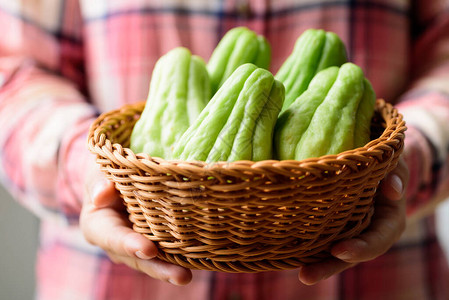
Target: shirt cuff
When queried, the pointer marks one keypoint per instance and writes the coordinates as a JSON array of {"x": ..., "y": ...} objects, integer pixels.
[{"x": 74, "y": 160}]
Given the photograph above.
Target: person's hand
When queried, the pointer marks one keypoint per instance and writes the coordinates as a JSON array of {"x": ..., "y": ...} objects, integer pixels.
[
  {"x": 386, "y": 227},
  {"x": 104, "y": 223}
]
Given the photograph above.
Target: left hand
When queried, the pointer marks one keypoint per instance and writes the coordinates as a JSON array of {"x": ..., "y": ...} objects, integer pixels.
[
  {"x": 386, "y": 227},
  {"x": 104, "y": 222}
]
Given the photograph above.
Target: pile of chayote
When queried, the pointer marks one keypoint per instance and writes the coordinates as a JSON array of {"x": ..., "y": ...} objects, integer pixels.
[{"x": 232, "y": 108}]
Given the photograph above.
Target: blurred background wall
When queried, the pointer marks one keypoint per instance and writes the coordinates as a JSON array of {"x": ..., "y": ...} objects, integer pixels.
[
  {"x": 442, "y": 219},
  {"x": 18, "y": 244}
]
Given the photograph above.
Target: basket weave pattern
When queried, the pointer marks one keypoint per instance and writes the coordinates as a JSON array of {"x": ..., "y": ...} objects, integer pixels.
[{"x": 247, "y": 216}]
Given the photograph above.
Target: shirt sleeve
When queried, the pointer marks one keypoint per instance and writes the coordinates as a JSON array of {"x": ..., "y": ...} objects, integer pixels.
[
  {"x": 425, "y": 107},
  {"x": 44, "y": 114}
]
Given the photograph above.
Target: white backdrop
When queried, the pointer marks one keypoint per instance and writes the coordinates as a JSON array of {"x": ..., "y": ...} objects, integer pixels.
[
  {"x": 442, "y": 219},
  {"x": 18, "y": 243}
]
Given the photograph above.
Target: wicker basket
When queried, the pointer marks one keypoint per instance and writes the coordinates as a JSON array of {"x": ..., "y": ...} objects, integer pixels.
[{"x": 247, "y": 216}]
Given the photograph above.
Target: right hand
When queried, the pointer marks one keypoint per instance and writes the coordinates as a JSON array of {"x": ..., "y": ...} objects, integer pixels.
[{"x": 104, "y": 223}]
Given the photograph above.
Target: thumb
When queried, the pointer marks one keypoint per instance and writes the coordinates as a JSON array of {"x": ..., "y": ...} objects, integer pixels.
[
  {"x": 99, "y": 190},
  {"x": 393, "y": 186},
  {"x": 104, "y": 194}
]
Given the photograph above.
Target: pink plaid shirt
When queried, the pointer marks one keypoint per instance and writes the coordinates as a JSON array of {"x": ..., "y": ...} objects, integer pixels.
[{"x": 64, "y": 61}]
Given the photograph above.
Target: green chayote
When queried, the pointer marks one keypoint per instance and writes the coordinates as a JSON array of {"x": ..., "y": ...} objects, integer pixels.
[
  {"x": 179, "y": 90},
  {"x": 314, "y": 51},
  {"x": 333, "y": 115},
  {"x": 238, "y": 46},
  {"x": 238, "y": 122}
]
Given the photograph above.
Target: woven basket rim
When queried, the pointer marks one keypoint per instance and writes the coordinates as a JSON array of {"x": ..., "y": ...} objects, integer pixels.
[{"x": 392, "y": 135}]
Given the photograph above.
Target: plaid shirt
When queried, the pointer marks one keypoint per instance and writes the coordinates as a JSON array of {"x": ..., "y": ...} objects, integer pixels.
[{"x": 64, "y": 61}]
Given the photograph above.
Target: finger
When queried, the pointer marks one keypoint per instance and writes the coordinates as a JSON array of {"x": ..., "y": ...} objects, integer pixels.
[
  {"x": 385, "y": 229},
  {"x": 104, "y": 195},
  {"x": 387, "y": 224},
  {"x": 157, "y": 269},
  {"x": 108, "y": 229},
  {"x": 99, "y": 190},
  {"x": 313, "y": 273},
  {"x": 393, "y": 186}
]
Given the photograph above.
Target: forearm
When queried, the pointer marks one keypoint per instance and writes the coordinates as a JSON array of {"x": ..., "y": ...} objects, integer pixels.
[
  {"x": 44, "y": 122},
  {"x": 425, "y": 106},
  {"x": 426, "y": 154},
  {"x": 426, "y": 111}
]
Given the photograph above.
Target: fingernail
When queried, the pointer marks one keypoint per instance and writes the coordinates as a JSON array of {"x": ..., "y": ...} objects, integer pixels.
[
  {"x": 98, "y": 189},
  {"x": 142, "y": 255},
  {"x": 345, "y": 255},
  {"x": 172, "y": 281},
  {"x": 396, "y": 184}
]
